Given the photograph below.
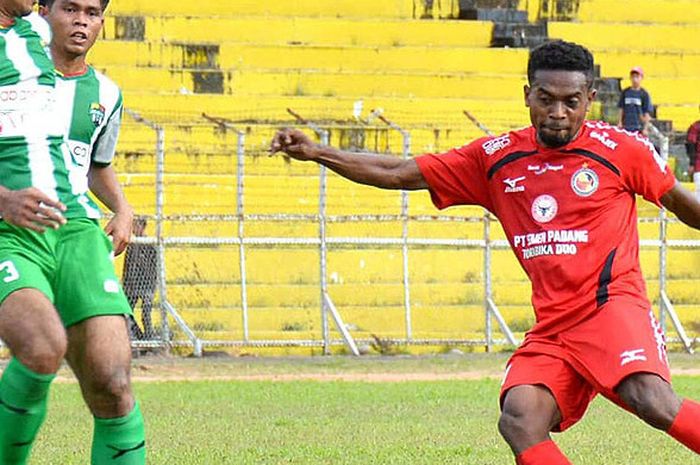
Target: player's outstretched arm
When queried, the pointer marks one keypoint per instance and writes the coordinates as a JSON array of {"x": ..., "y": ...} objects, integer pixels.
[
  {"x": 683, "y": 204},
  {"x": 30, "y": 208},
  {"x": 371, "y": 169},
  {"x": 104, "y": 184}
]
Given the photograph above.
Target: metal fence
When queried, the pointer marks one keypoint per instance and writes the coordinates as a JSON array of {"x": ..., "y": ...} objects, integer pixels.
[{"x": 223, "y": 242}]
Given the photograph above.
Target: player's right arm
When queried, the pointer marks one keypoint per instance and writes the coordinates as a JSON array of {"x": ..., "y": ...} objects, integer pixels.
[
  {"x": 381, "y": 171},
  {"x": 683, "y": 204},
  {"x": 30, "y": 208}
]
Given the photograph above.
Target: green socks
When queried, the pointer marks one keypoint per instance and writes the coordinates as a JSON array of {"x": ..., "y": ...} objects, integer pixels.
[
  {"x": 23, "y": 399},
  {"x": 119, "y": 441}
]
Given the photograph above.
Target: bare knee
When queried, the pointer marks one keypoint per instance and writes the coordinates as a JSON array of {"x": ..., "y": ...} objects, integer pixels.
[
  {"x": 43, "y": 355},
  {"x": 32, "y": 329},
  {"x": 651, "y": 398},
  {"x": 108, "y": 392},
  {"x": 529, "y": 414}
]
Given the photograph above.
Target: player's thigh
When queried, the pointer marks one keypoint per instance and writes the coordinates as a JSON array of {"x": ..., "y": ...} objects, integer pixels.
[
  {"x": 99, "y": 351},
  {"x": 620, "y": 341},
  {"x": 29, "y": 324},
  {"x": 558, "y": 384},
  {"x": 32, "y": 329},
  {"x": 86, "y": 284}
]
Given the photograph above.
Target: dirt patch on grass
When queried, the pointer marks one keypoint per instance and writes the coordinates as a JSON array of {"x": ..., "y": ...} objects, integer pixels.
[{"x": 377, "y": 370}]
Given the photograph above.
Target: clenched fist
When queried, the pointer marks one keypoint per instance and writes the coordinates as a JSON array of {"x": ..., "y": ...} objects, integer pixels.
[{"x": 296, "y": 144}]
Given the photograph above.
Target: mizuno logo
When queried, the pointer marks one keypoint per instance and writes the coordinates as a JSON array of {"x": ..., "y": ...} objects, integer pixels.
[
  {"x": 632, "y": 356},
  {"x": 512, "y": 184}
]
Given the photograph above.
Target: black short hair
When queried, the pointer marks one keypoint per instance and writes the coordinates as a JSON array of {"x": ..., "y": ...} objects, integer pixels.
[
  {"x": 49, "y": 3},
  {"x": 559, "y": 55}
]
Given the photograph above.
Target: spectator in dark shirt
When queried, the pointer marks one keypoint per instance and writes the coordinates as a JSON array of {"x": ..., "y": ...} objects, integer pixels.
[
  {"x": 635, "y": 104},
  {"x": 140, "y": 278},
  {"x": 692, "y": 145}
]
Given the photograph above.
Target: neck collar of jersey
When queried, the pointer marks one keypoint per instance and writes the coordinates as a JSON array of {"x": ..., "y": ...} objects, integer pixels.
[{"x": 80, "y": 73}]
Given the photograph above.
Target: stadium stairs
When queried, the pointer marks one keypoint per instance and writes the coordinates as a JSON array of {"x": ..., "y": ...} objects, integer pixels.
[{"x": 248, "y": 61}]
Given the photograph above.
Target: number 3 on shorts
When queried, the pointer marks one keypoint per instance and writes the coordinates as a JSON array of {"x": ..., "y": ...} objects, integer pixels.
[{"x": 8, "y": 271}]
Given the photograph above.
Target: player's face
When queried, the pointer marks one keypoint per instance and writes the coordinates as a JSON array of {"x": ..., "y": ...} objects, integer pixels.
[
  {"x": 558, "y": 102},
  {"x": 75, "y": 24},
  {"x": 17, "y": 7}
]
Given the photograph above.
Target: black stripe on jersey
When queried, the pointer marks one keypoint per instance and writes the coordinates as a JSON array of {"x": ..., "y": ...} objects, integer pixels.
[
  {"x": 601, "y": 296},
  {"x": 596, "y": 157},
  {"x": 508, "y": 159}
]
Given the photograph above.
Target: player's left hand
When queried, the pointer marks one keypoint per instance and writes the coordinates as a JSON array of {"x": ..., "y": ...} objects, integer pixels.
[{"x": 119, "y": 228}]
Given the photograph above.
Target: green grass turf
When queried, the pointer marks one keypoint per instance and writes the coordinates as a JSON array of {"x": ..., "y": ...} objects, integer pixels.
[{"x": 311, "y": 422}]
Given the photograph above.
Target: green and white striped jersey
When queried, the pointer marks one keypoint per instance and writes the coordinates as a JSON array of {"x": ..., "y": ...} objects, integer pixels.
[
  {"x": 32, "y": 152},
  {"x": 90, "y": 110}
]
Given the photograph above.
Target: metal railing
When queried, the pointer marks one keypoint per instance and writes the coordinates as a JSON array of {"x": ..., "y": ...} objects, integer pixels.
[
  {"x": 182, "y": 331},
  {"x": 323, "y": 242}
]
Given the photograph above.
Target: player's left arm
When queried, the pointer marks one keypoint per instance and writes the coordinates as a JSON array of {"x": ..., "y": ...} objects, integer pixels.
[
  {"x": 103, "y": 182},
  {"x": 683, "y": 204}
]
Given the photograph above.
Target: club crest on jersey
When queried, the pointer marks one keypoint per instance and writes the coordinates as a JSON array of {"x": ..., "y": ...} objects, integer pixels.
[
  {"x": 585, "y": 182},
  {"x": 544, "y": 208},
  {"x": 97, "y": 113}
]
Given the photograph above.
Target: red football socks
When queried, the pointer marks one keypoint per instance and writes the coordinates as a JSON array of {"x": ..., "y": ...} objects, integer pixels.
[
  {"x": 544, "y": 453},
  {"x": 685, "y": 428}
]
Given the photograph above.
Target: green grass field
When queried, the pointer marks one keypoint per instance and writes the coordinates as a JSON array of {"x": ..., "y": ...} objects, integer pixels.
[{"x": 268, "y": 421}]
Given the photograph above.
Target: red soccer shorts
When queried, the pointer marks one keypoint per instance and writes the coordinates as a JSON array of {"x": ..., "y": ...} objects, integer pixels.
[{"x": 593, "y": 357}]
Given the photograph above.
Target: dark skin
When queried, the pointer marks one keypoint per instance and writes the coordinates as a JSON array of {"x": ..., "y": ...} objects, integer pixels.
[
  {"x": 10, "y": 9},
  {"x": 558, "y": 102}
]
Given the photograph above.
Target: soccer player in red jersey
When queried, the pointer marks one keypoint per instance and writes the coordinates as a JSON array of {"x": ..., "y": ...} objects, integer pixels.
[{"x": 564, "y": 190}]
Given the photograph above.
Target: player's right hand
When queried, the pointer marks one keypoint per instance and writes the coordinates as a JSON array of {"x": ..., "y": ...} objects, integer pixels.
[
  {"x": 32, "y": 209},
  {"x": 294, "y": 143}
]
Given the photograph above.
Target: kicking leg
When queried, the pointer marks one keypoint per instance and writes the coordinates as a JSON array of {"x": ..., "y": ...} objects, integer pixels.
[
  {"x": 33, "y": 331},
  {"x": 529, "y": 414},
  {"x": 99, "y": 353},
  {"x": 655, "y": 402}
]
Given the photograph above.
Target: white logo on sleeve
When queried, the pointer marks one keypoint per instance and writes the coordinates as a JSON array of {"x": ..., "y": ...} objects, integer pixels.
[
  {"x": 111, "y": 286},
  {"x": 604, "y": 138},
  {"x": 512, "y": 185},
  {"x": 629, "y": 356},
  {"x": 494, "y": 145}
]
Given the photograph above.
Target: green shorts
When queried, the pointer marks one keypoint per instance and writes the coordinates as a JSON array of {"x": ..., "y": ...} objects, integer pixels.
[{"x": 72, "y": 266}]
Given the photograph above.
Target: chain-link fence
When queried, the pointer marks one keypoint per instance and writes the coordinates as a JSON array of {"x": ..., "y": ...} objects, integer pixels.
[{"x": 260, "y": 251}]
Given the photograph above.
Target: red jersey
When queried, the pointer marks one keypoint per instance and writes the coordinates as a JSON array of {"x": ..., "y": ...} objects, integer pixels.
[{"x": 569, "y": 213}]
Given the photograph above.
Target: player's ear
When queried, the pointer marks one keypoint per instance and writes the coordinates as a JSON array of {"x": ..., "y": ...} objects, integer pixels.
[
  {"x": 43, "y": 10},
  {"x": 526, "y": 91},
  {"x": 591, "y": 98}
]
